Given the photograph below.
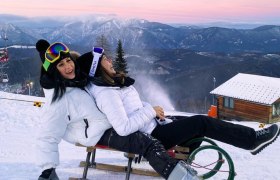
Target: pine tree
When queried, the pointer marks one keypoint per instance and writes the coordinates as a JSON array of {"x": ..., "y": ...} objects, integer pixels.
[
  {"x": 101, "y": 41},
  {"x": 120, "y": 63}
]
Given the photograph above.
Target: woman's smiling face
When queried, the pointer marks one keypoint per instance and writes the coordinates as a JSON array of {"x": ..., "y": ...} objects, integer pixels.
[
  {"x": 107, "y": 65},
  {"x": 66, "y": 67}
]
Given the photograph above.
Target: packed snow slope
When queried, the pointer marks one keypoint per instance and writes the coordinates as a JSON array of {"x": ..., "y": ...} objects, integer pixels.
[{"x": 19, "y": 124}]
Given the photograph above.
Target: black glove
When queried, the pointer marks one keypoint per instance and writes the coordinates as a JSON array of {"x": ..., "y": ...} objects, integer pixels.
[
  {"x": 137, "y": 158},
  {"x": 48, "y": 174}
]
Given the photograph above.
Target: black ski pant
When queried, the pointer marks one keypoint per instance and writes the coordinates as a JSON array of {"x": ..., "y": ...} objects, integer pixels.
[
  {"x": 143, "y": 144},
  {"x": 179, "y": 132}
]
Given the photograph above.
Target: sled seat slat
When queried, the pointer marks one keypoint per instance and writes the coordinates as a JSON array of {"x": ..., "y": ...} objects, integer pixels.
[{"x": 177, "y": 152}]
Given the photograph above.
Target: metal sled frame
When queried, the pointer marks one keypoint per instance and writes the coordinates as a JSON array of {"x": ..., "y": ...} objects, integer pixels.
[
  {"x": 177, "y": 152},
  {"x": 221, "y": 153}
]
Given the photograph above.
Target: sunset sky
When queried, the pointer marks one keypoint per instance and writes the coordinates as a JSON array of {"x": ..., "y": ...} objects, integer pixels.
[{"x": 166, "y": 11}]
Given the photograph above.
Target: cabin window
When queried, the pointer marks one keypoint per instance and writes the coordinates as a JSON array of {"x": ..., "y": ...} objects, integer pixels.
[
  {"x": 276, "y": 109},
  {"x": 228, "y": 102}
]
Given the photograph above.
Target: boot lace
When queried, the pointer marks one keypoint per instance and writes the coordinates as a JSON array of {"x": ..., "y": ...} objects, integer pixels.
[{"x": 262, "y": 132}]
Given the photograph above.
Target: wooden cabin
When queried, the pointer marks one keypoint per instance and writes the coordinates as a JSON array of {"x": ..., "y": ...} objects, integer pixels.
[{"x": 250, "y": 98}]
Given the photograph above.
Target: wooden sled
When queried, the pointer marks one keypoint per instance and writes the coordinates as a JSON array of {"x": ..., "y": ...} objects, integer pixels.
[
  {"x": 90, "y": 162},
  {"x": 177, "y": 152}
]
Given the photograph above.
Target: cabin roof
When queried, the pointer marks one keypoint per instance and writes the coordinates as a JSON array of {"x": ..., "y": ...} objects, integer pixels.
[{"x": 249, "y": 87}]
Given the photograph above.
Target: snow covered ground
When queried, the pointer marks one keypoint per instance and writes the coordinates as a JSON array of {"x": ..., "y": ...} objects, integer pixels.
[{"x": 19, "y": 122}]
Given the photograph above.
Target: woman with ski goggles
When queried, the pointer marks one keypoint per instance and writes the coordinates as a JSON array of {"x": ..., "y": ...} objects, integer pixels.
[{"x": 71, "y": 114}]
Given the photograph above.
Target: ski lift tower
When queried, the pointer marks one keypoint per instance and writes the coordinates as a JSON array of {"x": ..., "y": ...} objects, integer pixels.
[{"x": 4, "y": 59}]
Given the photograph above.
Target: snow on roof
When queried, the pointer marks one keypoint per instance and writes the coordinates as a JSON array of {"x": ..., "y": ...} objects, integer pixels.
[{"x": 255, "y": 88}]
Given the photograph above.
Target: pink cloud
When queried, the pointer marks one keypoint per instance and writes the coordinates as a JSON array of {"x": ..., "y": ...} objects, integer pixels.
[{"x": 153, "y": 10}]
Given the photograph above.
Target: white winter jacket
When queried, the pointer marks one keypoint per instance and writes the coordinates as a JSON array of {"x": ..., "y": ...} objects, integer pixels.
[
  {"x": 124, "y": 109},
  {"x": 66, "y": 119}
]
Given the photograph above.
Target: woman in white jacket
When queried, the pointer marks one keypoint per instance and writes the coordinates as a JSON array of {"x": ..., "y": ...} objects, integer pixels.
[
  {"x": 71, "y": 114},
  {"x": 116, "y": 97}
]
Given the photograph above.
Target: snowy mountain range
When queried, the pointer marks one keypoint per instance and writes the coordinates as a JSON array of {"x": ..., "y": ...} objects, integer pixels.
[
  {"x": 137, "y": 34},
  {"x": 181, "y": 59}
]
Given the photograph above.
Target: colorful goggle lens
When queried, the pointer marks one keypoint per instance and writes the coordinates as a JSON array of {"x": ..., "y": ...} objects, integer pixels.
[
  {"x": 98, "y": 50},
  {"x": 53, "y": 53}
]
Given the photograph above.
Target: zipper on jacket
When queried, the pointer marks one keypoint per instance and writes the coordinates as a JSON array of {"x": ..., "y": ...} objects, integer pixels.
[
  {"x": 86, "y": 122},
  {"x": 69, "y": 117},
  {"x": 111, "y": 135}
]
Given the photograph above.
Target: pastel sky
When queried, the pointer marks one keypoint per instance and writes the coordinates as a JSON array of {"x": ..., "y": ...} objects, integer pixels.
[{"x": 166, "y": 11}]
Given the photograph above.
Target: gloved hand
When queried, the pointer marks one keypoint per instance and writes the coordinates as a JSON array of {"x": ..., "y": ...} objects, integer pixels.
[
  {"x": 164, "y": 121},
  {"x": 48, "y": 174},
  {"x": 137, "y": 158}
]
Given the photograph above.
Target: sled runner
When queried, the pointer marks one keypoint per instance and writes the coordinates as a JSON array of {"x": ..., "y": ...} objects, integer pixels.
[{"x": 178, "y": 152}]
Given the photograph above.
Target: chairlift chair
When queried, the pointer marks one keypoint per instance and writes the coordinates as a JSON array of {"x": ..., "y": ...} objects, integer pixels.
[{"x": 4, "y": 78}]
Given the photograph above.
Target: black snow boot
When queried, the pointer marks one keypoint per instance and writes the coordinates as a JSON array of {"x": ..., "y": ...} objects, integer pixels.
[
  {"x": 265, "y": 137},
  {"x": 159, "y": 159},
  {"x": 48, "y": 174}
]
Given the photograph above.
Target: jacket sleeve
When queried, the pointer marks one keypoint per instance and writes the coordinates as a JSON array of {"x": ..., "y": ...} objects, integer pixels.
[
  {"x": 145, "y": 103},
  {"x": 50, "y": 133},
  {"x": 110, "y": 103}
]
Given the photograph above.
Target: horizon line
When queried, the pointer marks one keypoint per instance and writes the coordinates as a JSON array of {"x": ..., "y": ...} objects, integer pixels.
[{"x": 132, "y": 18}]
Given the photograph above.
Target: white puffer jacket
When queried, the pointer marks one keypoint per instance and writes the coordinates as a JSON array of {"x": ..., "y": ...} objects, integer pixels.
[
  {"x": 66, "y": 119},
  {"x": 124, "y": 109}
]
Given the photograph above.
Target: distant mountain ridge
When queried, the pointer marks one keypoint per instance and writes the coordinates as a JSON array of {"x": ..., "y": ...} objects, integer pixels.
[
  {"x": 138, "y": 34},
  {"x": 183, "y": 60}
]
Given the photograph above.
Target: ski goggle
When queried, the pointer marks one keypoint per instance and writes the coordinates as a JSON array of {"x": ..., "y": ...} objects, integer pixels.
[
  {"x": 98, "y": 50},
  {"x": 97, "y": 53},
  {"x": 53, "y": 53}
]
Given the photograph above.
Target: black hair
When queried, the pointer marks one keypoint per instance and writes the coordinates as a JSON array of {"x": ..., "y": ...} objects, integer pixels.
[
  {"x": 59, "y": 86},
  {"x": 56, "y": 81},
  {"x": 53, "y": 81}
]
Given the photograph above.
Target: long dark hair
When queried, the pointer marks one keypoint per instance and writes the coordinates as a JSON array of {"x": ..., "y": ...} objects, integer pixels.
[
  {"x": 58, "y": 83},
  {"x": 59, "y": 86}
]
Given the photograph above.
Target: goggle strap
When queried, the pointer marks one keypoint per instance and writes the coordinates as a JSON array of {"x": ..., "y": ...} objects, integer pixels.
[
  {"x": 94, "y": 64},
  {"x": 46, "y": 65}
]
